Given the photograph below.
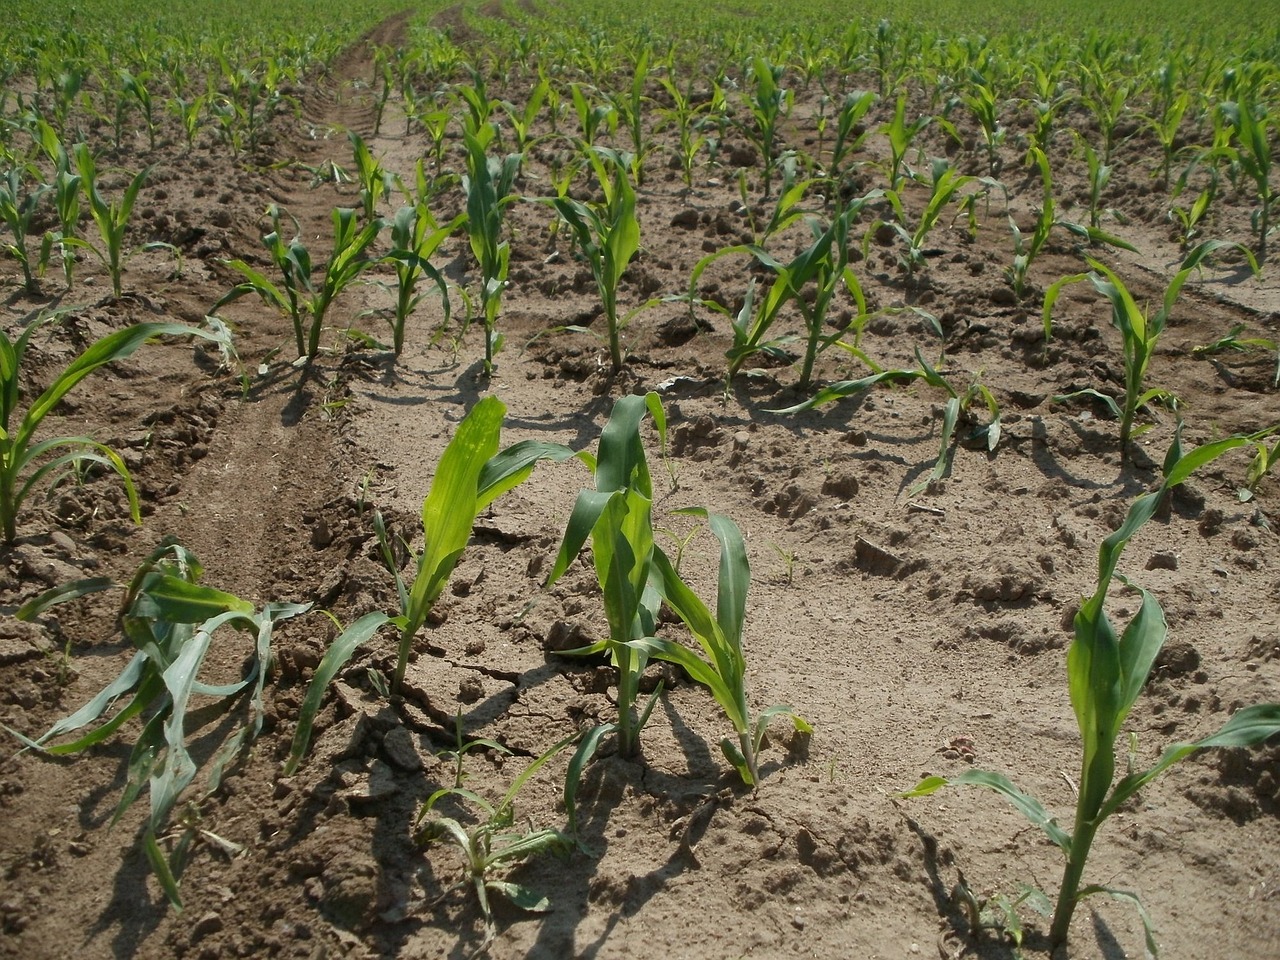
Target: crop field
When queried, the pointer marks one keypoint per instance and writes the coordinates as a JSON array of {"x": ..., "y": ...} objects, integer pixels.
[{"x": 531, "y": 478}]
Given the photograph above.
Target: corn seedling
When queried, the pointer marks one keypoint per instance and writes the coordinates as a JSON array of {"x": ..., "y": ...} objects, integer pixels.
[
  {"x": 493, "y": 842},
  {"x": 630, "y": 107},
  {"x": 523, "y": 119},
  {"x": 901, "y": 135},
  {"x": 304, "y": 301},
  {"x": 18, "y": 204},
  {"x": 1265, "y": 458},
  {"x": 375, "y": 180},
  {"x": 1251, "y": 132},
  {"x": 111, "y": 217},
  {"x": 1189, "y": 219},
  {"x": 415, "y": 237},
  {"x": 723, "y": 670},
  {"x": 135, "y": 87},
  {"x": 488, "y": 184},
  {"x": 608, "y": 234},
  {"x": 1025, "y": 251},
  {"x": 593, "y": 118},
  {"x": 170, "y": 619},
  {"x": 1234, "y": 342},
  {"x": 1139, "y": 333},
  {"x": 470, "y": 476},
  {"x": 617, "y": 517},
  {"x": 66, "y": 196},
  {"x": 24, "y": 461},
  {"x": 945, "y": 182},
  {"x": 1105, "y": 675},
  {"x": 850, "y": 130},
  {"x": 979, "y": 95},
  {"x": 823, "y": 264},
  {"x": 769, "y": 104}
]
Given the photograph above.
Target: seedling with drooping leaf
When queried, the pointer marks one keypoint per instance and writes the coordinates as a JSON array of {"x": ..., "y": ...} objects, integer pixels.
[
  {"x": 1105, "y": 674},
  {"x": 494, "y": 842},
  {"x": 26, "y": 462},
  {"x": 170, "y": 619}
]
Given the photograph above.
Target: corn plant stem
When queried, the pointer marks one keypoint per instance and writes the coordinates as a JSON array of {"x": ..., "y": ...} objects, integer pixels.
[
  {"x": 749, "y": 754},
  {"x": 8, "y": 509},
  {"x": 1068, "y": 892},
  {"x": 402, "y": 657}
]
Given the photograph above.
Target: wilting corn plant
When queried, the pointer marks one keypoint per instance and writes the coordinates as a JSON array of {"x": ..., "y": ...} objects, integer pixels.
[
  {"x": 617, "y": 517},
  {"x": 170, "y": 619},
  {"x": 1234, "y": 342},
  {"x": 415, "y": 236},
  {"x": 26, "y": 462},
  {"x": 302, "y": 300},
  {"x": 723, "y": 671},
  {"x": 494, "y": 842},
  {"x": 608, "y": 234},
  {"x": 1139, "y": 332},
  {"x": 958, "y": 408},
  {"x": 488, "y": 185},
  {"x": 1105, "y": 675}
]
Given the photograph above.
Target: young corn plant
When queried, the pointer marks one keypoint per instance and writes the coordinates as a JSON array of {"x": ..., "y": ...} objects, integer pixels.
[
  {"x": 823, "y": 265},
  {"x": 171, "y": 621},
  {"x": 19, "y": 202},
  {"x": 901, "y": 135},
  {"x": 415, "y": 237},
  {"x": 724, "y": 668},
  {"x": 945, "y": 183},
  {"x": 471, "y": 474},
  {"x": 66, "y": 196},
  {"x": 617, "y": 517},
  {"x": 299, "y": 297},
  {"x": 26, "y": 462},
  {"x": 768, "y": 105},
  {"x": 488, "y": 185},
  {"x": 494, "y": 842},
  {"x": 1252, "y": 131},
  {"x": 1139, "y": 333},
  {"x": 850, "y": 131},
  {"x": 1105, "y": 674},
  {"x": 111, "y": 217},
  {"x": 608, "y": 234},
  {"x": 631, "y": 113},
  {"x": 522, "y": 119},
  {"x": 593, "y": 118},
  {"x": 1025, "y": 251},
  {"x": 375, "y": 180}
]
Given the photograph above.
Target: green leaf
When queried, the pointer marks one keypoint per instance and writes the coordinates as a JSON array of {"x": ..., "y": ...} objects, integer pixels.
[
  {"x": 339, "y": 652},
  {"x": 1028, "y": 806}
]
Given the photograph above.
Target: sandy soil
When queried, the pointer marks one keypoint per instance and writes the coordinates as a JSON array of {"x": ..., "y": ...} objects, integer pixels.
[{"x": 919, "y": 633}]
